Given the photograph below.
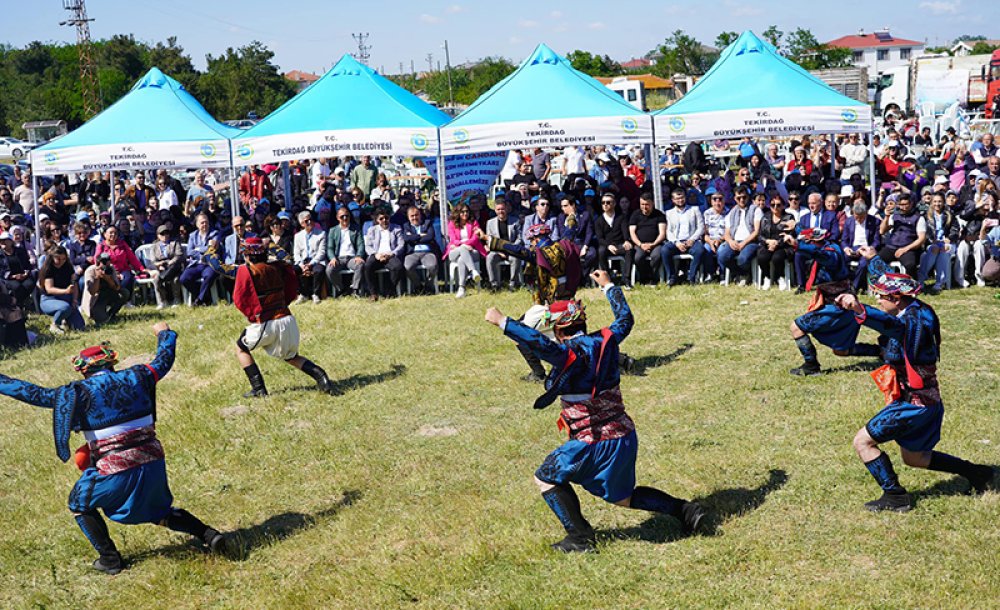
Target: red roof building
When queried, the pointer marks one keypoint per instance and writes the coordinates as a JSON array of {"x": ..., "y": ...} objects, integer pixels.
[
  {"x": 637, "y": 64},
  {"x": 879, "y": 50},
  {"x": 301, "y": 79}
]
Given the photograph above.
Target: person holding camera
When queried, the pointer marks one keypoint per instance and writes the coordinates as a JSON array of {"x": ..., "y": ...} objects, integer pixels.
[{"x": 103, "y": 295}]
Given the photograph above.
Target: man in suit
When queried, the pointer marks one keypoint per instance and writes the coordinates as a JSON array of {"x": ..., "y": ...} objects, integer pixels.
[
  {"x": 345, "y": 249},
  {"x": 611, "y": 227},
  {"x": 421, "y": 250},
  {"x": 860, "y": 230},
  {"x": 507, "y": 228},
  {"x": 815, "y": 218},
  {"x": 384, "y": 244}
]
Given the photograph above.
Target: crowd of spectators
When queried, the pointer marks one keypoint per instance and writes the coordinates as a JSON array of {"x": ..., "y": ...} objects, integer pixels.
[{"x": 731, "y": 215}]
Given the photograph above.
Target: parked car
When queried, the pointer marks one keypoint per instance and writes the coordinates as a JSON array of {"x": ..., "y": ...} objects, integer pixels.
[{"x": 12, "y": 148}]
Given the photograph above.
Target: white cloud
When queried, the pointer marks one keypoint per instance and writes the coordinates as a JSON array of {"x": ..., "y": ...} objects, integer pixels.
[
  {"x": 455, "y": 8},
  {"x": 556, "y": 14},
  {"x": 431, "y": 19},
  {"x": 597, "y": 25},
  {"x": 527, "y": 23},
  {"x": 941, "y": 7}
]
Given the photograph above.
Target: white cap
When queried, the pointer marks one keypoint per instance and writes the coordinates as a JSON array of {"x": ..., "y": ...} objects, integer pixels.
[
  {"x": 941, "y": 180},
  {"x": 846, "y": 191}
]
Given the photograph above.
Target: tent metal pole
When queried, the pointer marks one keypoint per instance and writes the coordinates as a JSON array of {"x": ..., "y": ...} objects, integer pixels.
[
  {"x": 234, "y": 192},
  {"x": 653, "y": 166},
  {"x": 34, "y": 196},
  {"x": 442, "y": 185},
  {"x": 833, "y": 155},
  {"x": 286, "y": 183},
  {"x": 114, "y": 203},
  {"x": 871, "y": 169}
]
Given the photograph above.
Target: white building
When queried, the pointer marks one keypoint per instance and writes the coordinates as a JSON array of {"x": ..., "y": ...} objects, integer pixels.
[{"x": 880, "y": 50}]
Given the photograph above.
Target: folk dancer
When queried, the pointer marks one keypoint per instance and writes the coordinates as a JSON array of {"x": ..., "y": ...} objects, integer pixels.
[
  {"x": 124, "y": 473},
  {"x": 914, "y": 410},
  {"x": 823, "y": 320},
  {"x": 262, "y": 293},
  {"x": 601, "y": 450}
]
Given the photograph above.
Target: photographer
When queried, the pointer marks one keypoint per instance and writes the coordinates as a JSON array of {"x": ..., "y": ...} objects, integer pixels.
[{"x": 103, "y": 295}]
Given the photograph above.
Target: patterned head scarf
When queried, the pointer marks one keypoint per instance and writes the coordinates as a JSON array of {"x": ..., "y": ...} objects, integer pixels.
[
  {"x": 895, "y": 283},
  {"x": 566, "y": 313},
  {"x": 539, "y": 230},
  {"x": 96, "y": 357},
  {"x": 253, "y": 246}
]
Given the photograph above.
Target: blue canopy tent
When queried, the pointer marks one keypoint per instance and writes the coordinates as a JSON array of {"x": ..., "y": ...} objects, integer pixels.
[
  {"x": 545, "y": 103},
  {"x": 753, "y": 91},
  {"x": 351, "y": 110},
  {"x": 156, "y": 125}
]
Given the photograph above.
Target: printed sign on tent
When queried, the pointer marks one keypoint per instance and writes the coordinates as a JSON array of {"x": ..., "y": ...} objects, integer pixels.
[{"x": 475, "y": 172}]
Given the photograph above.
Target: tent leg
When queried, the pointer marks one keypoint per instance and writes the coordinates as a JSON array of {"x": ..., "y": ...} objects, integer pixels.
[
  {"x": 234, "y": 192},
  {"x": 833, "y": 155},
  {"x": 38, "y": 227},
  {"x": 653, "y": 174},
  {"x": 114, "y": 203},
  {"x": 286, "y": 182},
  {"x": 871, "y": 169},
  {"x": 443, "y": 203}
]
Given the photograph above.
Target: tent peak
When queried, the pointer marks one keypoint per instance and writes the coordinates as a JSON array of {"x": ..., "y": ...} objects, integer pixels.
[
  {"x": 543, "y": 54},
  {"x": 156, "y": 78},
  {"x": 348, "y": 66}
]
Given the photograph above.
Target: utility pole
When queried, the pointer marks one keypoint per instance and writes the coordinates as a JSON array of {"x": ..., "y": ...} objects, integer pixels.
[
  {"x": 363, "y": 49},
  {"x": 447, "y": 63},
  {"x": 89, "y": 84}
]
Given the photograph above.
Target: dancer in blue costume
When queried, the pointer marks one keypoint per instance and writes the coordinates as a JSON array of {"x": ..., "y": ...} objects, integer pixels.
[
  {"x": 913, "y": 412},
  {"x": 827, "y": 323},
  {"x": 601, "y": 450},
  {"x": 124, "y": 473}
]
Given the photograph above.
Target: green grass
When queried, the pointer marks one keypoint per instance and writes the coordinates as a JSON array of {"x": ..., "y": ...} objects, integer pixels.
[{"x": 413, "y": 488}]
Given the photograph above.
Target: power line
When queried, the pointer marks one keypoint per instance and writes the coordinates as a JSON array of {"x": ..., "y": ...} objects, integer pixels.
[{"x": 363, "y": 49}]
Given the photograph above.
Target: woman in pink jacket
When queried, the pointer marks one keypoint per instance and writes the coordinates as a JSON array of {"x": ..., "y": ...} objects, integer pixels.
[
  {"x": 123, "y": 259},
  {"x": 464, "y": 248}
]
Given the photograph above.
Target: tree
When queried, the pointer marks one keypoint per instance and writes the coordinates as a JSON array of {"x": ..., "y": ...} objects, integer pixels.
[
  {"x": 983, "y": 48},
  {"x": 594, "y": 65},
  {"x": 773, "y": 35},
  {"x": 243, "y": 80},
  {"x": 682, "y": 54},
  {"x": 805, "y": 50},
  {"x": 170, "y": 59},
  {"x": 724, "y": 39}
]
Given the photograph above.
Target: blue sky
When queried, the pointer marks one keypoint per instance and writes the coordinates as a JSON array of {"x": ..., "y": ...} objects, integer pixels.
[{"x": 310, "y": 35}]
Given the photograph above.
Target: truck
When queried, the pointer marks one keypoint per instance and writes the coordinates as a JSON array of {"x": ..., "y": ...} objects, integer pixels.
[
  {"x": 928, "y": 85},
  {"x": 993, "y": 87},
  {"x": 852, "y": 82}
]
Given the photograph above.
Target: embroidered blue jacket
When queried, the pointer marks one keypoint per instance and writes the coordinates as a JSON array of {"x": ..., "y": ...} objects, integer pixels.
[
  {"x": 831, "y": 264},
  {"x": 579, "y": 374},
  {"x": 101, "y": 400}
]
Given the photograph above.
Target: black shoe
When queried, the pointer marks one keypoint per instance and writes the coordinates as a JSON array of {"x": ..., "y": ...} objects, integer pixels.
[
  {"x": 256, "y": 393},
  {"x": 694, "y": 517},
  {"x": 217, "y": 542},
  {"x": 799, "y": 290},
  {"x": 627, "y": 363},
  {"x": 110, "y": 565},
  {"x": 671, "y": 283},
  {"x": 981, "y": 483},
  {"x": 575, "y": 543},
  {"x": 806, "y": 370},
  {"x": 326, "y": 386},
  {"x": 533, "y": 378},
  {"x": 897, "y": 503}
]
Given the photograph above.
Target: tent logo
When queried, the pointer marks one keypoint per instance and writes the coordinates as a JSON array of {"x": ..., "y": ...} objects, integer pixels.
[
  {"x": 208, "y": 150},
  {"x": 244, "y": 151},
  {"x": 849, "y": 115},
  {"x": 51, "y": 158},
  {"x": 461, "y": 136},
  {"x": 419, "y": 141},
  {"x": 676, "y": 124},
  {"x": 629, "y": 125}
]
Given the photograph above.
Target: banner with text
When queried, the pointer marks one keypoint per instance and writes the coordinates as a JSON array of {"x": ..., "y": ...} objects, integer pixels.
[
  {"x": 547, "y": 133},
  {"x": 145, "y": 156},
  {"x": 762, "y": 122},
  {"x": 340, "y": 143},
  {"x": 475, "y": 172}
]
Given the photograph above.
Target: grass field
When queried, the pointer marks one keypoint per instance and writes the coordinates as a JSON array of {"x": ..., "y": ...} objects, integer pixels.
[{"x": 413, "y": 487}]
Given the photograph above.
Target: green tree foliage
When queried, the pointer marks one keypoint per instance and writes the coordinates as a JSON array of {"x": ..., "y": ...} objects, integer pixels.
[
  {"x": 724, "y": 39},
  {"x": 243, "y": 80},
  {"x": 773, "y": 35},
  {"x": 468, "y": 83},
  {"x": 594, "y": 65},
  {"x": 983, "y": 48},
  {"x": 805, "y": 50},
  {"x": 42, "y": 81},
  {"x": 683, "y": 54}
]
